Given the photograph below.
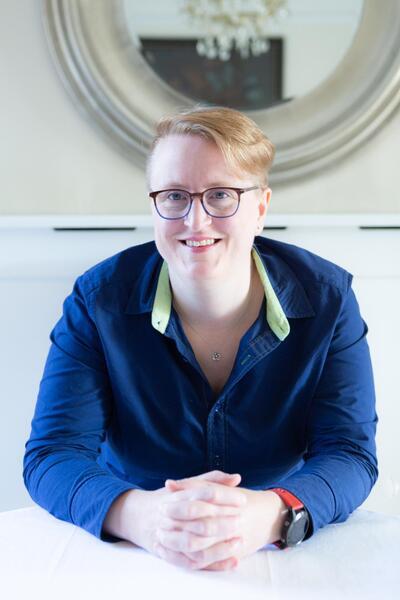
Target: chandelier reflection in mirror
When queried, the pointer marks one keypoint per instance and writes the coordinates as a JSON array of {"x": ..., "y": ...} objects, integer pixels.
[{"x": 233, "y": 24}]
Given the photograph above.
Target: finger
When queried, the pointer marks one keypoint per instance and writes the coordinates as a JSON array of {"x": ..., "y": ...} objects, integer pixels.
[
  {"x": 226, "y": 549},
  {"x": 173, "y": 485},
  {"x": 219, "y": 565},
  {"x": 184, "y": 541},
  {"x": 222, "y": 565},
  {"x": 182, "y": 560},
  {"x": 222, "y": 527},
  {"x": 218, "y": 494},
  {"x": 217, "y": 476},
  {"x": 195, "y": 548},
  {"x": 176, "y": 558},
  {"x": 196, "y": 509}
]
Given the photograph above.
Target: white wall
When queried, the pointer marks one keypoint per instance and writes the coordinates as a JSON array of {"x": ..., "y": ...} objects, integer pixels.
[{"x": 53, "y": 161}]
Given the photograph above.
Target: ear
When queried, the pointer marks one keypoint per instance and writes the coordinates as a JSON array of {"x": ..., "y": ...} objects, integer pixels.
[{"x": 263, "y": 206}]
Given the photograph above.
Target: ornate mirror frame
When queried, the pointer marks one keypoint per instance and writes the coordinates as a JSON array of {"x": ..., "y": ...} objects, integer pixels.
[{"x": 116, "y": 89}]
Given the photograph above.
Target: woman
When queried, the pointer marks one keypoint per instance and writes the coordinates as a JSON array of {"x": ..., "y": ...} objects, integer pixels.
[{"x": 214, "y": 357}]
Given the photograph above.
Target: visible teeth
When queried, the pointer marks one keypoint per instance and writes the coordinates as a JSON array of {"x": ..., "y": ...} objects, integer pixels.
[{"x": 202, "y": 243}]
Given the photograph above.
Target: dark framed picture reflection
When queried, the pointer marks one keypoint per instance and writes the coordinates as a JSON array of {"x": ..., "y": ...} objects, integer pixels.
[{"x": 251, "y": 83}]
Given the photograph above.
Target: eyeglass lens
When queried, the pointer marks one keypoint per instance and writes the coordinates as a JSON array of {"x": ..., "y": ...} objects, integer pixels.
[{"x": 219, "y": 202}]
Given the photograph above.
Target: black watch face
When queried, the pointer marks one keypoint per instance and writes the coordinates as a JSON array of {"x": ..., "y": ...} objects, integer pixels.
[{"x": 297, "y": 529}]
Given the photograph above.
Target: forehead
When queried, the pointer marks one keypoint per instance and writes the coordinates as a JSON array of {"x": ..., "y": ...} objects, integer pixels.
[
  {"x": 190, "y": 160},
  {"x": 176, "y": 148}
]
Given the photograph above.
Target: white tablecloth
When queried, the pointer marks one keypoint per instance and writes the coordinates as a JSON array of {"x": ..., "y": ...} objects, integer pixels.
[{"x": 43, "y": 557}]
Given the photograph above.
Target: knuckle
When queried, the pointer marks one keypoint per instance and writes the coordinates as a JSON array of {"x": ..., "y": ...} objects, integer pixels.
[
  {"x": 237, "y": 524},
  {"x": 210, "y": 493}
]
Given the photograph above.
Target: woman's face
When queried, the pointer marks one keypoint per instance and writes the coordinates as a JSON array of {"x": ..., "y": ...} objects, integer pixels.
[{"x": 193, "y": 163}]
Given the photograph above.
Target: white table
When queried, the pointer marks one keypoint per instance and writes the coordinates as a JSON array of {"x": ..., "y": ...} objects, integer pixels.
[{"x": 43, "y": 557}]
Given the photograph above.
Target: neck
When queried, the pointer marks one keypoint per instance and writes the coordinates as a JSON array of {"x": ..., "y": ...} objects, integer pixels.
[{"x": 211, "y": 305}]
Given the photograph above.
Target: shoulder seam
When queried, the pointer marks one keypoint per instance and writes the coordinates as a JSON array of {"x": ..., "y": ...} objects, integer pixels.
[
  {"x": 103, "y": 284},
  {"x": 345, "y": 285}
]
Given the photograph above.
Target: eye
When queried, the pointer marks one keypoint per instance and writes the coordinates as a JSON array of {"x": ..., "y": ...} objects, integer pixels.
[
  {"x": 176, "y": 195},
  {"x": 219, "y": 194}
]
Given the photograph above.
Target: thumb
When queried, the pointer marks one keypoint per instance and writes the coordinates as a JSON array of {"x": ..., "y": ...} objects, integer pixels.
[{"x": 231, "y": 479}]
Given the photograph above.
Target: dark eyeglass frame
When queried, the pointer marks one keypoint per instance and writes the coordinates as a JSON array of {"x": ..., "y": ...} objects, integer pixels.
[{"x": 239, "y": 191}]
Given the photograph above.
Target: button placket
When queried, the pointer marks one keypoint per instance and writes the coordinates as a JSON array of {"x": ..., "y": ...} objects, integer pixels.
[{"x": 216, "y": 437}]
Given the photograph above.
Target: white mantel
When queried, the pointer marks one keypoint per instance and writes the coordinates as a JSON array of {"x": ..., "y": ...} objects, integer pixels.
[{"x": 273, "y": 220}]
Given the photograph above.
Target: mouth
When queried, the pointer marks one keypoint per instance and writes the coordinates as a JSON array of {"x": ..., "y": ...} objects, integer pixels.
[{"x": 200, "y": 243}]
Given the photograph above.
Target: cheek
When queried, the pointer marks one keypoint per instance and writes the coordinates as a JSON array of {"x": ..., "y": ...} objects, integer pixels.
[
  {"x": 246, "y": 224},
  {"x": 164, "y": 235},
  {"x": 242, "y": 233}
]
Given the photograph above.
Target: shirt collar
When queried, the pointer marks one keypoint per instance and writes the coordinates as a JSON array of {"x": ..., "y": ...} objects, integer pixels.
[
  {"x": 285, "y": 295},
  {"x": 276, "y": 314}
]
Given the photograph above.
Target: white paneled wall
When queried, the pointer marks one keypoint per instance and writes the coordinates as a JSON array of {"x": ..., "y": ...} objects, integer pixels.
[{"x": 37, "y": 271}]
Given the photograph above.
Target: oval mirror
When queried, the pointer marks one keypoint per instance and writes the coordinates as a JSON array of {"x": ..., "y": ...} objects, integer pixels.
[{"x": 328, "y": 80}]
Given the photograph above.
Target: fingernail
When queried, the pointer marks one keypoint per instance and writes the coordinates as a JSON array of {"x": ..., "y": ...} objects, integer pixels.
[{"x": 233, "y": 563}]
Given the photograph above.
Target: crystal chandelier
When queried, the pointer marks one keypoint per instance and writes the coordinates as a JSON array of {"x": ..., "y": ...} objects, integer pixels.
[{"x": 231, "y": 24}]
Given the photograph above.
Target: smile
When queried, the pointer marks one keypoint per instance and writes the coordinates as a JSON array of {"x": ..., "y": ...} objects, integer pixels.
[{"x": 208, "y": 242}]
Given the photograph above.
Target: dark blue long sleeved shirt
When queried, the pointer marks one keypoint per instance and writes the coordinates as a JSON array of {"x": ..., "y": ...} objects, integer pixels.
[{"x": 124, "y": 404}]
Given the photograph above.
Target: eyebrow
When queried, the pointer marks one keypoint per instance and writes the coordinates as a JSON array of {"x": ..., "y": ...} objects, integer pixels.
[{"x": 174, "y": 184}]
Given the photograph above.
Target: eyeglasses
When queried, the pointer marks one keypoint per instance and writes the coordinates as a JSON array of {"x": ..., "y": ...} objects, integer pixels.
[{"x": 219, "y": 202}]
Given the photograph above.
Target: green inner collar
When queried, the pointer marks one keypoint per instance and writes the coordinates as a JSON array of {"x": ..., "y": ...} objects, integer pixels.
[{"x": 275, "y": 316}]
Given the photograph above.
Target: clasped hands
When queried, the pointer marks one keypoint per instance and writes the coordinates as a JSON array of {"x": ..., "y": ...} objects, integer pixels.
[{"x": 210, "y": 523}]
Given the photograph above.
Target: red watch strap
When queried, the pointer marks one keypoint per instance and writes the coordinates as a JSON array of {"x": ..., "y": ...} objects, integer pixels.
[{"x": 288, "y": 498}]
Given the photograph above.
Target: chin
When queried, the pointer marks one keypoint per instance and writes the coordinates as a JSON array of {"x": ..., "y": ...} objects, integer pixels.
[{"x": 199, "y": 271}]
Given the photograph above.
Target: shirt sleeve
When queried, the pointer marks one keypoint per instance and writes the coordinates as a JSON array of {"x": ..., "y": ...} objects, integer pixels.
[
  {"x": 340, "y": 465},
  {"x": 73, "y": 408}
]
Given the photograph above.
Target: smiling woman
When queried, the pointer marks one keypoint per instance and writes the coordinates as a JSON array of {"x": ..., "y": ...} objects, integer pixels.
[
  {"x": 192, "y": 153},
  {"x": 232, "y": 363}
]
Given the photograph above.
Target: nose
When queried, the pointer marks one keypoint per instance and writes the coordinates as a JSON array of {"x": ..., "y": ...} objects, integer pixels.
[{"x": 197, "y": 217}]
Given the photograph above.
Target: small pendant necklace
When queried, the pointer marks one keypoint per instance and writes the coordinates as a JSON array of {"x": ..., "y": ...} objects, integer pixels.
[{"x": 216, "y": 355}]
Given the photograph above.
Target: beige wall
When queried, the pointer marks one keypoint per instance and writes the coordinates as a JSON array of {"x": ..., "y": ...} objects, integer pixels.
[{"x": 55, "y": 162}]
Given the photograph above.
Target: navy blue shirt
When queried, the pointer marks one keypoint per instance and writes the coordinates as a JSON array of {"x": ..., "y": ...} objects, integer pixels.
[{"x": 124, "y": 404}]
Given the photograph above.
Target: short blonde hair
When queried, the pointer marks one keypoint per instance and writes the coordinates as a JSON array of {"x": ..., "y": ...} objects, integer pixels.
[{"x": 242, "y": 143}]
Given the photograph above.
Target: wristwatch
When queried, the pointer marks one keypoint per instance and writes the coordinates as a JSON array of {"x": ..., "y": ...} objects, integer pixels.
[{"x": 296, "y": 522}]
